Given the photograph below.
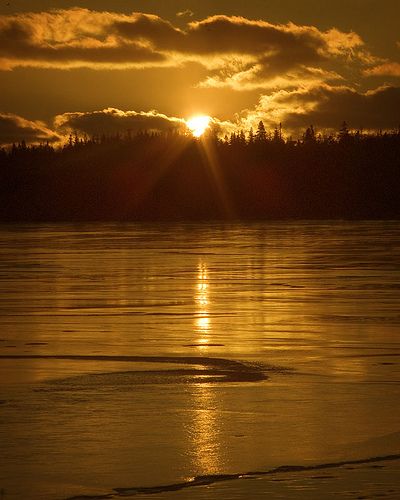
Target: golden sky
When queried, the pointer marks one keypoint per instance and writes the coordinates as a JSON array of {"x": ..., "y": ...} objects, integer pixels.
[{"x": 97, "y": 66}]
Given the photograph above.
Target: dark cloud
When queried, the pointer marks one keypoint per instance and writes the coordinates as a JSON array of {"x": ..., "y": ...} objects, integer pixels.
[
  {"x": 111, "y": 121},
  {"x": 161, "y": 34},
  {"x": 327, "y": 107},
  {"x": 223, "y": 34},
  {"x": 68, "y": 39},
  {"x": 14, "y": 128},
  {"x": 261, "y": 50},
  {"x": 229, "y": 35}
]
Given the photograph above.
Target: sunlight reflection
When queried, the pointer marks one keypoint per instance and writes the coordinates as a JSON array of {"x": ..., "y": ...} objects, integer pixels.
[
  {"x": 202, "y": 321},
  {"x": 205, "y": 431}
]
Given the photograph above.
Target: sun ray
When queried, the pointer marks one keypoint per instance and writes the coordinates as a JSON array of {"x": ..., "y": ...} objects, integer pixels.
[{"x": 208, "y": 150}]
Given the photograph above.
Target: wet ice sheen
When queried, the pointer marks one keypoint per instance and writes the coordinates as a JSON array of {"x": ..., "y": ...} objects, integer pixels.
[{"x": 144, "y": 355}]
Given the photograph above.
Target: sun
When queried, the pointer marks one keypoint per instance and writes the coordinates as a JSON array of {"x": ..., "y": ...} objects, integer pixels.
[{"x": 198, "y": 124}]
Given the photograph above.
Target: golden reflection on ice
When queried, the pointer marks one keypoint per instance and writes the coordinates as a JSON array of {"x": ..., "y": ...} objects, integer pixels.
[
  {"x": 202, "y": 321},
  {"x": 205, "y": 430}
]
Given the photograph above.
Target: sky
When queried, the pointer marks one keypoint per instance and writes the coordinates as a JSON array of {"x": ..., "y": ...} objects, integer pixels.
[{"x": 95, "y": 66}]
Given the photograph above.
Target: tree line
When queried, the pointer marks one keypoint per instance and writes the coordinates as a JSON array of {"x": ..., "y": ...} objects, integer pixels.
[
  {"x": 260, "y": 136},
  {"x": 256, "y": 174}
]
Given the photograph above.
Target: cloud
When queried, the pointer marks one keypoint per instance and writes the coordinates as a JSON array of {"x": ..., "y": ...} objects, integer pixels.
[
  {"x": 386, "y": 69},
  {"x": 263, "y": 78},
  {"x": 14, "y": 128},
  {"x": 71, "y": 38},
  {"x": 326, "y": 107},
  {"x": 185, "y": 13},
  {"x": 111, "y": 121},
  {"x": 240, "y": 53},
  {"x": 224, "y": 34},
  {"x": 277, "y": 55},
  {"x": 250, "y": 54}
]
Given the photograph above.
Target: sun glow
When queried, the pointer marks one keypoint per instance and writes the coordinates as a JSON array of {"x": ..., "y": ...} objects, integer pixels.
[{"x": 198, "y": 124}]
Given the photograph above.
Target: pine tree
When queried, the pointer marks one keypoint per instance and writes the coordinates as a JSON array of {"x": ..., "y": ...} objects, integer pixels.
[
  {"x": 261, "y": 134},
  {"x": 343, "y": 132},
  {"x": 251, "y": 136},
  {"x": 277, "y": 134},
  {"x": 309, "y": 135}
]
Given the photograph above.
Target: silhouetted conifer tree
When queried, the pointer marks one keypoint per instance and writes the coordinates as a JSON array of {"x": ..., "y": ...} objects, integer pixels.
[
  {"x": 309, "y": 135},
  {"x": 261, "y": 134},
  {"x": 344, "y": 132},
  {"x": 251, "y": 136},
  {"x": 277, "y": 137}
]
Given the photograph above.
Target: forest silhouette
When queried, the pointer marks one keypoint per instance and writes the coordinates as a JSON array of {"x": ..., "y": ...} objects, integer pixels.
[{"x": 174, "y": 176}]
